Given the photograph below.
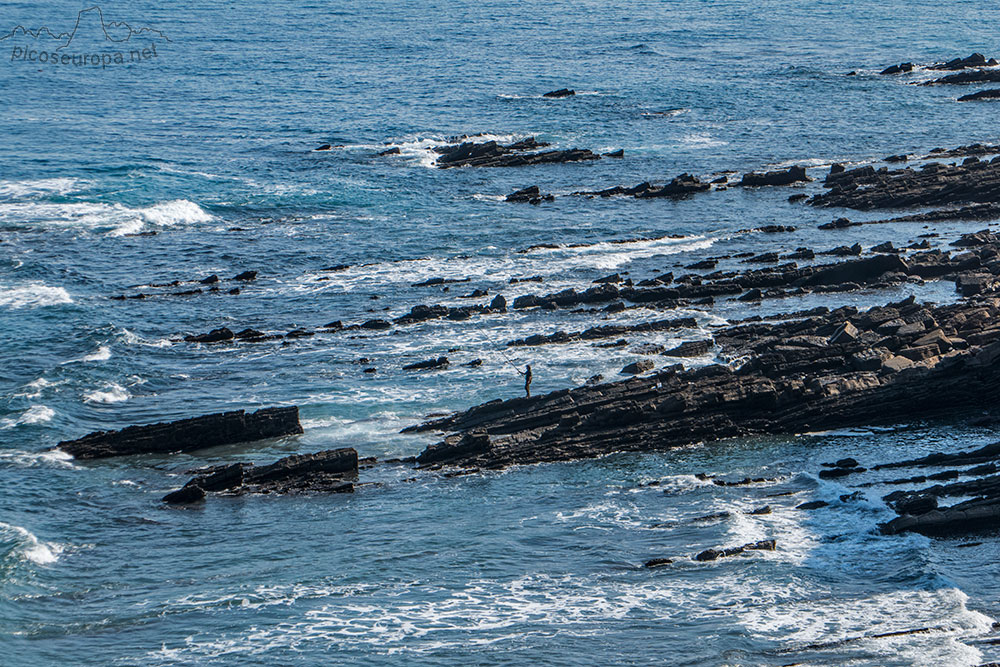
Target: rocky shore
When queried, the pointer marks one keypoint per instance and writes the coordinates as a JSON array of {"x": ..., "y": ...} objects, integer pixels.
[{"x": 806, "y": 370}]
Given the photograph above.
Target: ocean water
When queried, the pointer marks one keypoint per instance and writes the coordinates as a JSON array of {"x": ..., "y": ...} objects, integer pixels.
[{"x": 198, "y": 160}]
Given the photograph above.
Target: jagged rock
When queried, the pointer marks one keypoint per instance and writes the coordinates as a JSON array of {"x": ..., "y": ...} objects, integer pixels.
[
  {"x": 898, "y": 69},
  {"x": 328, "y": 471},
  {"x": 680, "y": 186},
  {"x": 657, "y": 562},
  {"x": 932, "y": 185},
  {"x": 562, "y": 92},
  {"x": 812, "y": 505},
  {"x": 715, "y": 554},
  {"x": 498, "y": 304},
  {"x": 692, "y": 348},
  {"x": 857, "y": 271},
  {"x": 185, "y": 495},
  {"x": 975, "y": 60},
  {"x": 531, "y": 195},
  {"x": 186, "y": 435},
  {"x": 784, "y": 177},
  {"x": 214, "y": 336},
  {"x": 845, "y": 333},
  {"x": 991, "y": 94},
  {"x": 431, "y": 282},
  {"x": 211, "y": 280},
  {"x": 493, "y": 154},
  {"x": 455, "y": 447},
  {"x": 246, "y": 276},
  {"x": 638, "y": 367},
  {"x": 376, "y": 325},
  {"x": 429, "y": 364}
]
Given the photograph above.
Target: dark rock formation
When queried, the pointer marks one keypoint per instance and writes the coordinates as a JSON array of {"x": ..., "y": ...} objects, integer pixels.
[
  {"x": 902, "y": 68},
  {"x": 891, "y": 362},
  {"x": 693, "y": 348},
  {"x": 680, "y": 186},
  {"x": 429, "y": 364},
  {"x": 715, "y": 554},
  {"x": 518, "y": 154},
  {"x": 330, "y": 471},
  {"x": 215, "y": 336},
  {"x": 992, "y": 94},
  {"x": 530, "y": 195},
  {"x": 968, "y": 76},
  {"x": 975, "y": 60},
  {"x": 935, "y": 184},
  {"x": 187, "y": 434},
  {"x": 784, "y": 177},
  {"x": 562, "y": 92},
  {"x": 638, "y": 367}
]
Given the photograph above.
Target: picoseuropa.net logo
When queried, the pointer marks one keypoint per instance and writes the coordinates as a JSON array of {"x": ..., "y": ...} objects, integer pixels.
[{"x": 92, "y": 42}]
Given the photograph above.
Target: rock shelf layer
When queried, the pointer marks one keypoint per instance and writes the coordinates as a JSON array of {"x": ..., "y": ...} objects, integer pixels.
[
  {"x": 839, "y": 368},
  {"x": 186, "y": 435}
]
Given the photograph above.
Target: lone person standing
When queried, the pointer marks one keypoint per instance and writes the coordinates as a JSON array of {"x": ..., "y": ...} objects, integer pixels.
[{"x": 527, "y": 381}]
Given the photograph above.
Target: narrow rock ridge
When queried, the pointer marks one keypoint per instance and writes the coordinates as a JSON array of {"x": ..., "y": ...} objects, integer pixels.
[{"x": 186, "y": 435}]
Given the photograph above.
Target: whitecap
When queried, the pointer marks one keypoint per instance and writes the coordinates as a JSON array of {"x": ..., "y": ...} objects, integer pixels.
[
  {"x": 111, "y": 393},
  {"x": 30, "y": 547},
  {"x": 131, "y": 338},
  {"x": 36, "y": 414},
  {"x": 32, "y": 295},
  {"x": 118, "y": 219}
]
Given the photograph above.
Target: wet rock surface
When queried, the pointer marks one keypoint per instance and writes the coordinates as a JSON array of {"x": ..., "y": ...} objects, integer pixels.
[
  {"x": 186, "y": 435},
  {"x": 330, "y": 471},
  {"x": 518, "y": 154},
  {"x": 934, "y": 184},
  {"x": 831, "y": 369}
]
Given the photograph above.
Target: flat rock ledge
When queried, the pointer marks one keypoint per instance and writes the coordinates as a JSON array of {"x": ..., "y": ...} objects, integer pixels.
[
  {"x": 836, "y": 369},
  {"x": 225, "y": 428},
  {"x": 330, "y": 471}
]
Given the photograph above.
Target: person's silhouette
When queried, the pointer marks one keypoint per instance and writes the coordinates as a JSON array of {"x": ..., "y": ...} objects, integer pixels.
[{"x": 527, "y": 381}]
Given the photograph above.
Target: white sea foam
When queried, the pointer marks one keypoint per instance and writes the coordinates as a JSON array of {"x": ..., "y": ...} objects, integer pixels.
[
  {"x": 45, "y": 186},
  {"x": 131, "y": 338},
  {"x": 36, "y": 414},
  {"x": 602, "y": 256},
  {"x": 32, "y": 295},
  {"x": 116, "y": 219},
  {"x": 701, "y": 141},
  {"x": 110, "y": 393},
  {"x": 30, "y": 547},
  {"x": 51, "y": 457},
  {"x": 420, "y": 150},
  {"x": 102, "y": 353}
]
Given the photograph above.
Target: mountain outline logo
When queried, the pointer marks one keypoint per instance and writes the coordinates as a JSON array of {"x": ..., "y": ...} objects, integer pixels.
[{"x": 113, "y": 26}]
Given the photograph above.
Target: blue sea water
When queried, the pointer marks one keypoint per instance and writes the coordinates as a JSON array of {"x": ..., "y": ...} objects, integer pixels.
[{"x": 209, "y": 144}]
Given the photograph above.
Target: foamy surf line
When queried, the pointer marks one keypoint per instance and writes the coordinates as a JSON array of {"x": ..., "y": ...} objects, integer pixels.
[
  {"x": 42, "y": 186},
  {"x": 32, "y": 295},
  {"x": 28, "y": 546},
  {"x": 420, "y": 149},
  {"x": 540, "y": 261},
  {"x": 115, "y": 219}
]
